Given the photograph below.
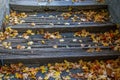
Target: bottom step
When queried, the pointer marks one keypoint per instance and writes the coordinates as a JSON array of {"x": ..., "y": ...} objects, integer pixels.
[{"x": 74, "y": 69}]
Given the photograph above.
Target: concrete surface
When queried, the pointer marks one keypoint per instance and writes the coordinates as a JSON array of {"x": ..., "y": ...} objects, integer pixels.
[
  {"x": 4, "y": 9},
  {"x": 114, "y": 8}
]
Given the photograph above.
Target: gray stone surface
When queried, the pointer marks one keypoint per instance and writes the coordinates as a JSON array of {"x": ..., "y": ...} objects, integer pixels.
[
  {"x": 4, "y": 9},
  {"x": 114, "y": 8}
]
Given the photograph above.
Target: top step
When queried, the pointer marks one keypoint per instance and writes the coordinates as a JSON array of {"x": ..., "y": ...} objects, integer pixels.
[{"x": 56, "y": 5}]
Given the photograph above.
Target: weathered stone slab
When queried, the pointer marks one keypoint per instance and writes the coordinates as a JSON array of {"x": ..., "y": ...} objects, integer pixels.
[
  {"x": 114, "y": 8},
  {"x": 4, "y": 10}
]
